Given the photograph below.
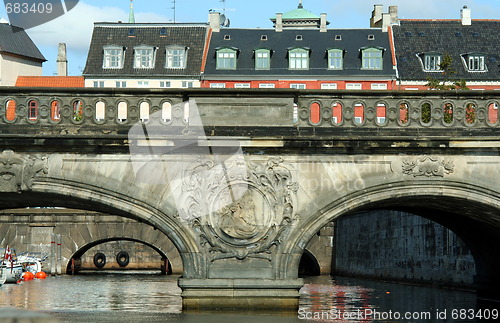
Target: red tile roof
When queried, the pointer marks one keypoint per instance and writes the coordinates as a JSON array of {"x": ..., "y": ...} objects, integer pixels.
[{"x": 50, "y": 81}]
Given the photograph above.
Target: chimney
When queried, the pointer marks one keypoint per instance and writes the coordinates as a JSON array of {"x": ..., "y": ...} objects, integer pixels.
[
  {"x": 322, "y": 23},
  {"x": 466, "y": 16},
  {"x": 62, "y": 61},
  {"x": 214, "y": 21},
  {"x": 386, "y": 22},
  {"x": 393, "y": 12},
  {"x": 376, "y": 15},
  {"x": 279, "y": 22}
]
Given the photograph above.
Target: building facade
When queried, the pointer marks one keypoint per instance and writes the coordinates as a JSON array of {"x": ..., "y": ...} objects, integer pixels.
[
  {"x": 18, "y": 55},
  {"x": 136, "y": 55},
  {"x": 301, "y": 53}
]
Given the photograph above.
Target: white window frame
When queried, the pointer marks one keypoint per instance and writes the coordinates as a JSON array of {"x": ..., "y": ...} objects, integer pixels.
[
  {"x": 372, "y": 59},
  {"x": 298, "y": 59},
  {"x": 298, "y": 86},
  {"x": 267, "y": 86},
  {"x": 144, "y": 57},
  {"x": 262, "y": 59},
  {"x": 121, "y": 83},
  {"x": 165, "y": 84},
  {"x": 187, "y": 84},
  {"x": 217, "y": 85},
  {"x": 335, "y": 59},
  {"x": 476, "y": 63},
  {"x": 431, "y": 62},
  {"x": 329, "y": 86},
  {"x": 176, "y": 57},
  {"x": 98, "y": 83},
  {"x": 378, "y": 86},
  {"x": 353, "y": 86},
  {"x": 226, "y": 59},
  {"x": 143, "y": 84},
  {"x": 113, "y": 57}
]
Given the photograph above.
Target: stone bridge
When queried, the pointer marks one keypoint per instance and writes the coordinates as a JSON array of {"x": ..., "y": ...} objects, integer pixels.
[{"x": 241, "y": 180}]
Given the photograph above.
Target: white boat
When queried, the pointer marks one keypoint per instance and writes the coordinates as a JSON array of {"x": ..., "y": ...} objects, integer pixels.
[{"x": 30, "y": 263}]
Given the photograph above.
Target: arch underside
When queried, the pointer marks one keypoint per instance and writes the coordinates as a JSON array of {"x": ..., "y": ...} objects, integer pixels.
[{"x": 473, "y": 213}]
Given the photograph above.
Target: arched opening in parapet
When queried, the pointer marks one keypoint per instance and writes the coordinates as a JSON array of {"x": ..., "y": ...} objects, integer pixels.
[
  {"x": 119, "y": 254},
  {"x": 472, "y": 213},
  {"x": 309, "y": 265}
]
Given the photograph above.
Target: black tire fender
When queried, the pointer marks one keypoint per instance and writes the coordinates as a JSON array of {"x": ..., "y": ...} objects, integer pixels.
[
  {"x": 122, "y": 258},
  {"x": 99, "y": 260}
]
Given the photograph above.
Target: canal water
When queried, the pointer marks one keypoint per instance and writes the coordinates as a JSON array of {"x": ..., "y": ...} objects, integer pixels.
[{"x": 155, "y": 298}]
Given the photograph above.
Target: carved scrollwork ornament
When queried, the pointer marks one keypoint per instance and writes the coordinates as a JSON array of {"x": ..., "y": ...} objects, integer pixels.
[
  {"x": 239, "y": 208},
  {"x": 428, "y": 167},
  {"x": 18, "y": 171}
]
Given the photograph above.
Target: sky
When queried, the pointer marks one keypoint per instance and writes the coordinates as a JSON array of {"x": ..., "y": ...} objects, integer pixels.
[{"x": 75, "y": 27}]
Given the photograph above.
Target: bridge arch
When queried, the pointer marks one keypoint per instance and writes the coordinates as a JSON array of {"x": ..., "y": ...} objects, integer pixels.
[
  {"x": 161, "y": 245},
  {"x": 60, "y": 193},
  {"x": 472, "y": 212}
]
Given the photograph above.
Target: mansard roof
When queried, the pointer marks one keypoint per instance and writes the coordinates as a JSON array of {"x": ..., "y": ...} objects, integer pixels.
[
  {"x": 15, "y": 41},
  {"x": 157, "y": 35},
  {"x": 351, "y": 41},
  {"x": 417, "y": 37}
]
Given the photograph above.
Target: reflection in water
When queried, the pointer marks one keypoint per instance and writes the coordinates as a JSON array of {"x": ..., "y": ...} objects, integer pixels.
[{"x": 156, "y": 298}]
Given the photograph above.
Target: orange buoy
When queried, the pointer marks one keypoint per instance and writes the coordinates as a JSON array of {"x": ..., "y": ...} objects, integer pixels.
[
  {"x": 41, "y": 275},
  {"x": 28, "y": 276}
]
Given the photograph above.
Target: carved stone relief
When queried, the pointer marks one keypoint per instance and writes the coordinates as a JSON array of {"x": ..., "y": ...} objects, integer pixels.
[
  {"x": 239, "y": 208},
  {"x": 428, "y": 167},
  {"x": 17, "y": 171}
]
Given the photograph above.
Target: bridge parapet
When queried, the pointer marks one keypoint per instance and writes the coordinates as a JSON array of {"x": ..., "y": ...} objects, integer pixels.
[{"x": 113, "y": 111}]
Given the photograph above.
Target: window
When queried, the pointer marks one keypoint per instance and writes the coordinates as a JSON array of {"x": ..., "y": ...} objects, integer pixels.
[
  {"x": 335, "y": 59},
  {"x": 163, "y": 31},
  {"x": 78, "y": 110},
  {"x": 166, "y": 111},
  {"x": 328, "y": 86},
  {"x": 122, "y": 111},
  {"x": 187, "y": 84},
  {"x": 299, "y": 37},
  {"x": 379, "y": 86},
  {"x": 263, "y": 37},
  {"x": 217, "y": 85},
  {"x": 371, "y": 59},
  {"x": 176, "y": 57},
  {"x": 475, "y": 62},
  {"x": 165, "y": 84},
  {"x": 113, "y": 57},
  {"x": 298, "y": 59},
  {"x": 226, "y": 59},
  {"x": 142, "y": 83},
  {"x": 144, "y": 57},
  {"x": 262, "y": 59},
  {"x": 266, "y": 86},
  {"x": 121, "y": 83},
  {"x": 431, "y": 62},
  {"x": 98, "y": 83},
  {"x": 353, "y": 86},
  {"x": 32, "y": 110},
  {"x": 242, "y": 85},
  {"x": 298, "y": 86}
]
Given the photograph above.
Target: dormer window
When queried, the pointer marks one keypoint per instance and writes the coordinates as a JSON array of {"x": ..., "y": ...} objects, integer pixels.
[
  {"x": 262, "y": 59},
  {"x": 263, "y": 37},
  {"x": 144, "y": 57},
  {"x": 475, "y": 62},
  {"x": 113, "y": 57},
  {"x": 176, "y": 57},
  {"x": 227, "y": 37},
  {"x": 371, "y": 37},
  {"x": 298, "y": 37},
  {"x": 163, "y": 31},
  {"x": 298, "y": 59},
  {"x": 338, "y": 37},
  {"x": 371, "y": 58},
  {"x": 431, "y": 62},
  {"x": 335, "y": 59},
  {"x": 226, "y": 58}
]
